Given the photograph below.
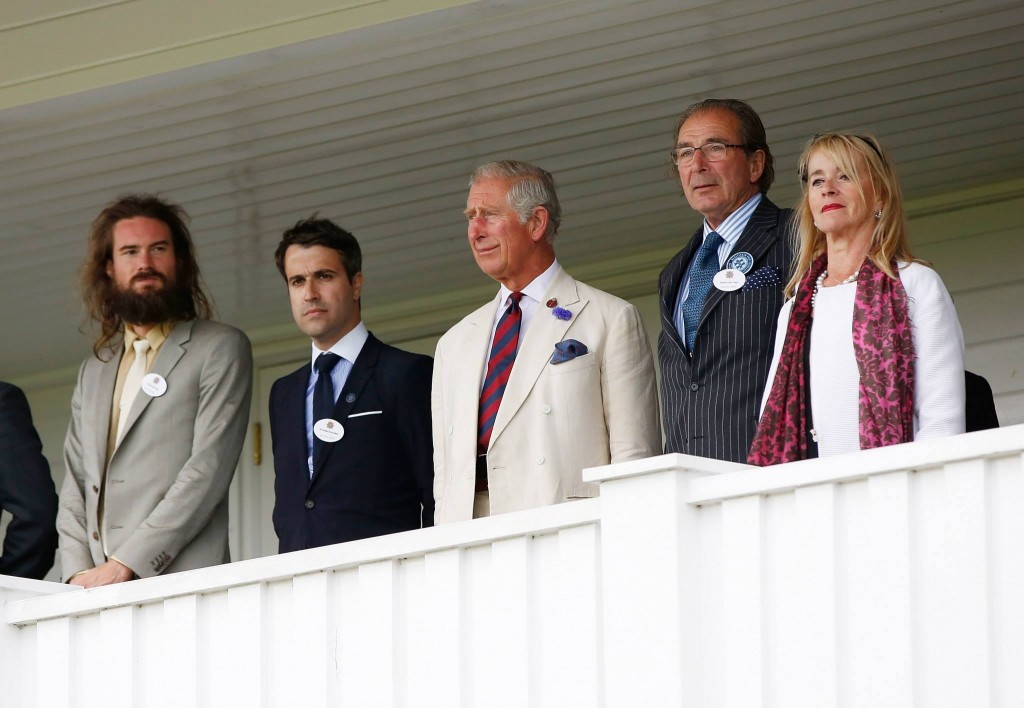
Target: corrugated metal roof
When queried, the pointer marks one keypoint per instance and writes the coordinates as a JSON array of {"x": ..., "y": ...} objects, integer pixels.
[{"x": 379, "y": 128}]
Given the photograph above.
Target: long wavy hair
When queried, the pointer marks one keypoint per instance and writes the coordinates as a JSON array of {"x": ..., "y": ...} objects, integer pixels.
[
  {"x": 99, "y": 289},
  {"x": 890, "y": 241}
]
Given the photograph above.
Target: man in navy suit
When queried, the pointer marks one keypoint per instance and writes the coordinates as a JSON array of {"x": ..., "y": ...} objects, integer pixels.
[
  {"x": 351, "y": 432},
  {"x": 27, "y": 492},
  {"x": 717, "y": 339}
]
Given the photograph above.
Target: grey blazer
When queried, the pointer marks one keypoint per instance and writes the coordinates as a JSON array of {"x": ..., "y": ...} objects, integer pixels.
[
  {"x": 165, "y": 491},
  {"x": 710, "y": 400}
]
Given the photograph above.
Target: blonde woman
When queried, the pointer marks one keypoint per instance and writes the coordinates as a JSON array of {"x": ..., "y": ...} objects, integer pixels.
[{"x": 868, "y": 350}]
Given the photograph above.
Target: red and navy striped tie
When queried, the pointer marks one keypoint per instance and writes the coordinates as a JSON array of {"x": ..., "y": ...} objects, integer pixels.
[{"x": 499, "y": 366}]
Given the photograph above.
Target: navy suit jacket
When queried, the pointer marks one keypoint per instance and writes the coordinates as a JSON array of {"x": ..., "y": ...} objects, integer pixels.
[
  {"x": 378, "y": 478},
  {"x": 27, "y": 491},
  {"x": 710, "y": 399}
]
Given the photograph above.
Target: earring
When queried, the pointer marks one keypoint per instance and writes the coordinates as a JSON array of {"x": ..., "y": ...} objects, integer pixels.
[{"x": 878, "y": 214}]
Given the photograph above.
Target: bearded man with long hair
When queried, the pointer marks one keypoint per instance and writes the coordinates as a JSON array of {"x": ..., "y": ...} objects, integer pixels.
[{"x": 160, "y": 409}]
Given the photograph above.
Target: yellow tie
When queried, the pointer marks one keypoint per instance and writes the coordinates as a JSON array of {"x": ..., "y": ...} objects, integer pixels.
[{"x": 132, "y": 383}]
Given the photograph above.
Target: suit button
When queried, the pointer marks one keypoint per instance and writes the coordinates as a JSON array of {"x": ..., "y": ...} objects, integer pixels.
[
  {"x": 694, "y": 387},
  {"x": 95, "y": 535},
  {"x": 95, "y": 489},
  {"x": 545, "y": 410},
  {"x": 310, "y": 503},
  {"x": 540, "y": 460}
]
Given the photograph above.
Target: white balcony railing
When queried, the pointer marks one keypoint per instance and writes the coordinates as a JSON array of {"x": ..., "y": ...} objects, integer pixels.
[{"x": 891, "y": 577}]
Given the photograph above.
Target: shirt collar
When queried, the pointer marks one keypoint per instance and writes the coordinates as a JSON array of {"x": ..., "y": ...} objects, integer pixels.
[
  {"x": 538, "y": 287},
  {"x": 349, "y": 346},
  {"x": 732, "y": 227}
]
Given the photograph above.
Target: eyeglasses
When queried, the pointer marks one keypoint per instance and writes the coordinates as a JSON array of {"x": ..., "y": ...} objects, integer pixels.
[{"x": 713, "y": 152}]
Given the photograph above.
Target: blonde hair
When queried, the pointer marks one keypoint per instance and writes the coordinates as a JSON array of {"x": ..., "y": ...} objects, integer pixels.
[{"x": 889, "y": 240}]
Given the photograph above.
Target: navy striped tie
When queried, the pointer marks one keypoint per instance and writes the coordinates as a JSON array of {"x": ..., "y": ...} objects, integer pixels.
[{"x": 499, "y": 366}]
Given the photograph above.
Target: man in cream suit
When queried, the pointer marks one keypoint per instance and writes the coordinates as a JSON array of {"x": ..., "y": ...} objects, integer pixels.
[
  {"x": 549, "y": 377},
  {"x": 159, "y": 413}
]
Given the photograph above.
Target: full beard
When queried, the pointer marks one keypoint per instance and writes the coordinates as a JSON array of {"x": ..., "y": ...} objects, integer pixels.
[{"x": 152, "y": 307}]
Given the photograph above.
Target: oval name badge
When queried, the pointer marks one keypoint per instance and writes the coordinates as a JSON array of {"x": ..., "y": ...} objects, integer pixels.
[
  {"x": 328, "y": 430},
  {"x": 729, "y": 279},
  {"x": 741, "y": 261},
  {"x": 154, "y": 385}
]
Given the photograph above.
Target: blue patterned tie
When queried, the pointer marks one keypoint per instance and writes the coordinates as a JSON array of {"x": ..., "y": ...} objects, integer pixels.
[{"x": 705, "y": 265}]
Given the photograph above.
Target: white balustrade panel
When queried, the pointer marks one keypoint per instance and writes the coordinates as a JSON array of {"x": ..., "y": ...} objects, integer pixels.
[
  {"x": 890, "y": 577},
  {"x": 886, "y": 578},
  {"x": 502, "y": 611}
]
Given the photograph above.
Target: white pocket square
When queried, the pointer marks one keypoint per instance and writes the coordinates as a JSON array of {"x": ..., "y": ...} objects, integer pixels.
[{"x": 358, "y": 415}]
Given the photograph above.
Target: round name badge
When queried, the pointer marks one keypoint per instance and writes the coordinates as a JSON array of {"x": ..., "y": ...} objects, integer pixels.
[
  {"x": 729, "y": 279},
  {"x": 154, "y": 385},
  {"x": 328, "y": 430},
  {"x": 741, "y": 261}
]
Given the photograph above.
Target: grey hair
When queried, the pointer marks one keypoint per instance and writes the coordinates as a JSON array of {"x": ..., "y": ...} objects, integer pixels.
[{"x": 532, "y": 187}]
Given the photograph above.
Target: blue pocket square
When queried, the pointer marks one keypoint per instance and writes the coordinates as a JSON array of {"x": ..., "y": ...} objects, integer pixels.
[
  {"x": 568, "y": 350},
  {"x": 762, "y": 278}
]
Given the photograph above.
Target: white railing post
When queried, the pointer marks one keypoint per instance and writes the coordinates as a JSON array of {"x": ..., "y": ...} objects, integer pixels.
[
  {"x": 649, "y": 568},
  {"x": 18, "y": 661}
]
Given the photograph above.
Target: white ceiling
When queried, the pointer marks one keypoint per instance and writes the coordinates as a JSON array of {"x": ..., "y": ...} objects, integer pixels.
[{"x": 379, "y": 128}]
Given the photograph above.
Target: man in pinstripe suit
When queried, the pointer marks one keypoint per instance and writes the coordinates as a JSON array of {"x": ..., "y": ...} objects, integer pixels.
[{"x": 716, "y": 342}]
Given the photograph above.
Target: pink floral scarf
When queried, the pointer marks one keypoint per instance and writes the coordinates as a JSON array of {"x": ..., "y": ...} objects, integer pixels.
[{"x": 884, "y": 347}]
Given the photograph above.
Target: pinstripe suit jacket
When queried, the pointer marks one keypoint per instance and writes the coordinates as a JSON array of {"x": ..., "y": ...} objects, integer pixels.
[{"x": 710, "y": 400}]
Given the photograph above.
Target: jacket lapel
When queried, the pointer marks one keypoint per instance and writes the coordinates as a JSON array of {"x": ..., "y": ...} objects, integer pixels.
[
  {"x": 103, "y": 406},
  {"x": 536, "y": 349},
  {"x": 293, "y": 417},
  {"x": 670, "y": 291},
  {"x": 468, "y": 356},
  {"x": 167, "y": 358}
]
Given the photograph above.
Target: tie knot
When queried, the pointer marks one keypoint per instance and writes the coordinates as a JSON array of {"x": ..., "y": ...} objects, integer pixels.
[
  {"x": 516, "y": 296},
  {"x": 141, "y": 346},
  {"x": 712, "y": 242},
  {"x": 326, "y": 362}
]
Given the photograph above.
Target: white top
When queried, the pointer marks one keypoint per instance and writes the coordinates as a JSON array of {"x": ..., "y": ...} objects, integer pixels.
[{"x": 939, "y": 370}]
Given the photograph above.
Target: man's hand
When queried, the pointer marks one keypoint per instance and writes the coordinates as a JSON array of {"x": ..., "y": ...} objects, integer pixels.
[{"x": 107, "y": 574}]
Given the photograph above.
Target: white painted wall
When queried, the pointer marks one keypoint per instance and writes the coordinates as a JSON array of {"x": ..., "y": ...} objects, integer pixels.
[
  {"x": 978, "y": 250},
  {"x": 889, "y": 577}
]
